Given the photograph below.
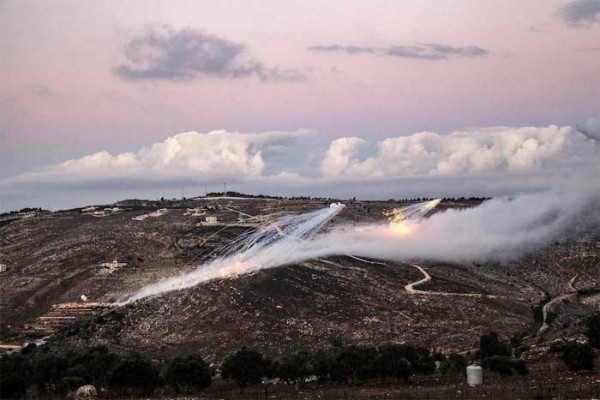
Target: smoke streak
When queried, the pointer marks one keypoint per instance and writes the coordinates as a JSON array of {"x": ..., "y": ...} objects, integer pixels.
[
  {"x": 499, "y": 230},
  {"x": 251, "y": 252}
]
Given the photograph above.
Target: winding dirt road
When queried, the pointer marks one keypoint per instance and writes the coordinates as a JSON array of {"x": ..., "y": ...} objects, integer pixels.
[{"x": 410, "y": 288}]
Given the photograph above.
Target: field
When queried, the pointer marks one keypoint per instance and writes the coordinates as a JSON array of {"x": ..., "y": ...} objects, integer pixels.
[{"x": 53, "y": 259}]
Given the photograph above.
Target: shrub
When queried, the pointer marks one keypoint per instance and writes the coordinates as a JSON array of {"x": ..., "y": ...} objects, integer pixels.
[
  {"x": 593, "y": 330},
  {"x": 190, "y": 373},
  {"x": 135, "y": 374},
  {"x": 14, "y": 373},
  {"x": 454, "y": 364},
  {"x": 489, "y": 346},
  {"x": 295, "y": 367},
  {"x": 70, "y": 383},
  {"x": 246, "y": 367},
  {"x": 499, "y": 364},
  {"x": 393, "y": 363},
  {"x": 578, "y": 356}
]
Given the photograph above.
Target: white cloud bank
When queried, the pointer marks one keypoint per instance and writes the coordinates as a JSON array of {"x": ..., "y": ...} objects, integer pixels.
[
  {"x": 185, "y": 156},
  {"x": 497, "y": 160},
  {"x": 468, "y": 152}
]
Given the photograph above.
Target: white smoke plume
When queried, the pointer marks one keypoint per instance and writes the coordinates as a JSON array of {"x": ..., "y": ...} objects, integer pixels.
[
  {"x": 499, "y": 230},
  {"x": 252, "y": 252}
]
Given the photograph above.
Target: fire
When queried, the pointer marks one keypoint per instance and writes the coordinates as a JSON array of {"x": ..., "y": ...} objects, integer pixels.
[
  {"x": 237, "y": 268},
  {"x": 402, "y": 228}
]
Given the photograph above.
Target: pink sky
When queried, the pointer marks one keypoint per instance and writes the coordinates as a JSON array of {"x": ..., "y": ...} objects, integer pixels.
[{"x": 60, "y": 98}]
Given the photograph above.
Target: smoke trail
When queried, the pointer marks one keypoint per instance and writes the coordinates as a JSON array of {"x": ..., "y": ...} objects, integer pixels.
[
  {"x": 498, "y": 230},
  {"x": 264, "y": 248}
]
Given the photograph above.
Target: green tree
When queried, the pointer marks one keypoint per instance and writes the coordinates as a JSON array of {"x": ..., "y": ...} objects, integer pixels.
[
  {"x": 593, "y": 330},
  {"x": 578, "y": 356},
  {"x": 499, "y": 364},
  {"x": 357, "y": 362},
  {"x": 48, "y": 369},
  {"x": 14, "y": 374},
  {"x": 520, "y": 367},
  {"x": 392, "y": 362},
  {"x": 246, "y": 367},
  {"x": 295, "y": 367},
  {"x": 69, "y": 383},
  {"x": 454, "y": 364},
  {"x": 489, "y": 345},
  {"x": 186, "y": 374},
  {"x": 135, "y": 374}
]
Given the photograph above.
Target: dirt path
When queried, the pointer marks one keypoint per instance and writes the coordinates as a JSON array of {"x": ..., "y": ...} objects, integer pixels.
[
  {"x": 571, "y": 291},
  {"x": 410, "y": 288}
]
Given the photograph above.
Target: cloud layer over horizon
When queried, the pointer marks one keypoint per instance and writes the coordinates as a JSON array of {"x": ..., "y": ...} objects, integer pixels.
[{"x": 508, "y": 160}]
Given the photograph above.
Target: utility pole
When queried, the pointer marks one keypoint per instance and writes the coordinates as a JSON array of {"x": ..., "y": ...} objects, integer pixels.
[{"x": 224, "y": 189}]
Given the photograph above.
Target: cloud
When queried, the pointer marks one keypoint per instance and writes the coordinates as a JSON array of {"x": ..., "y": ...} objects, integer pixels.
[
  {"x": 581, "y": 13},
  {"x": 197, "y": 156},
  {"x": 168, "y": 54},
  {"x": 477, "y": 161},
  {"x": 341, "y": 155},
  {"x": 429, "y": 51},
  {"x": 590, "y": 128},
  {"x": 461, "y": 153}
]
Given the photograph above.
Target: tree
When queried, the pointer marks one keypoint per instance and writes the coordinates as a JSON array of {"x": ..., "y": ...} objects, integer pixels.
[
  {"x": 593, "y": 330},
  {"x": 246, "y": 367},
  {"x": 392, "y": 362},
  {"x": 295, "y": 367},
  {"x": 135, "y": 373},
  {"x": 188, "y": 373},
  {"x": 489, "y": 345},
  {"x": 14, "y": 373},
  {"x": 454, "y": 364},
  {"x": 357, "y": 362},
  {"x": 499, "y": 364},
  {"x": 70, "y": 383},
  {"x": 578, "y": 356},
  {"x": 48, "y": 369},
  {"x": 520, "y": 367}
]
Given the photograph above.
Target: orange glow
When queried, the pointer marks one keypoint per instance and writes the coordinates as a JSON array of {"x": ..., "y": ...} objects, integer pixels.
[
  {"x": 402, "y": 228},
  {"x": 234, "y": 269}
]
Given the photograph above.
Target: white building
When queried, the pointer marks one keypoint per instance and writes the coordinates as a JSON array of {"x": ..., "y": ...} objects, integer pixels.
[
  {"x": 3, "y": 267},
  {"x": 211, "y": 221},
  {"x": 110, "y": 267}
]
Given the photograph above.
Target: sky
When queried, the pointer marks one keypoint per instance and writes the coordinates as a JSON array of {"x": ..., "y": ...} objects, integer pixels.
[{"x": 101, "y": 101}]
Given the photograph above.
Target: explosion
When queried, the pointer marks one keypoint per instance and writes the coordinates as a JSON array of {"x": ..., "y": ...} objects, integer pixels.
[{"x": 404, "y": 220}]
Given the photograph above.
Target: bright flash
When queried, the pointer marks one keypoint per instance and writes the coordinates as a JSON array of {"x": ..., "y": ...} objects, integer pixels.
[
  {"x": 404, "y": 221},
  {"x": 402, "y": 228},
  {"x": 234, "y": 269}
]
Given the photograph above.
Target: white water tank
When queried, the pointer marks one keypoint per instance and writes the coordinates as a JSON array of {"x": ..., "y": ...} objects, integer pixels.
[{"x": 474, "y": 375}]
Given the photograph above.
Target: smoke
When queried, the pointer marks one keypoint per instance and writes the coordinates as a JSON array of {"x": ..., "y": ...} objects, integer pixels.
[
  {"x": 499, "y": 230},
  {"x": 262, "y": 249}
]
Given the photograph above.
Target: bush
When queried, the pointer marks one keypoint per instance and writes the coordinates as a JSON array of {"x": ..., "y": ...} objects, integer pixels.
[
  {"x": 295, "y": 367},
  {"x": 135, "y": 374},
  {"x": 357, "y": 362},
  {"x": 14, "y": 372},
  {"x": 186, "y": 374},
  {"x": 489, "y": 346},
  {"x": 48, "y": 369},
  {"x": 454, "y": 364},
  {"x": 578, "y": 356},
  {"x": 393, "y": 363},
  {"x": 593, "y": 330},
  {"x": 520, "y": 367},
  {"x": 70, "y": 383},
  {"x": 499, "y": 364},
  {"x": 246, "y": 367}
]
